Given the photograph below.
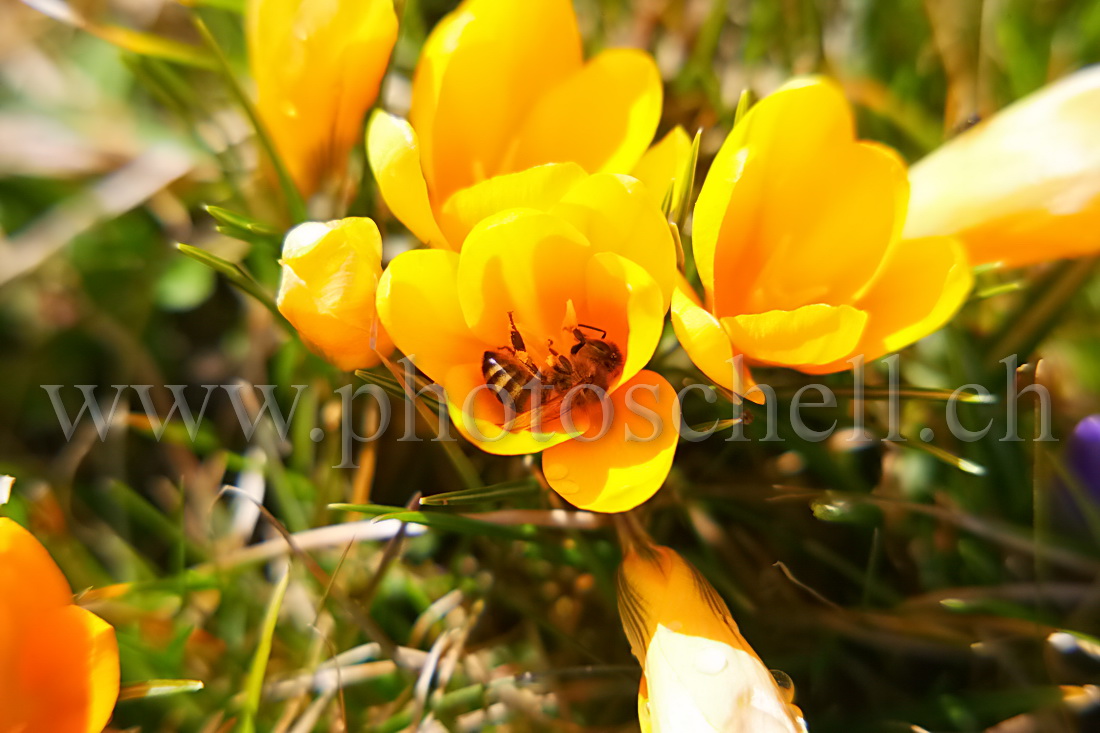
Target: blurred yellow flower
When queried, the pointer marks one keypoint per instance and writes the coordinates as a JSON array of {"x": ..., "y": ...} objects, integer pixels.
[
  {"x": 58, "y": 662},
  {"x": 571, "y": 291},
  {"x": 502, "y": 86},
  {"x": 1023, "y": 186},
  {"x": 797, "y": 240},
  {"x": 317, "y": 68},
  {"x": 698, "y": 672},
  {"x": 330, "y": 274}
]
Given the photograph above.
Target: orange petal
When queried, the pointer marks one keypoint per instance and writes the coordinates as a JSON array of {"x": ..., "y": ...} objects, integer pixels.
[
  {"x": 808, "y": 336},
  {"x": 662, "y": 166},
  {"x": 700, "y": 673},
  {"x": 708, "y": 345},
  {"x": 327, "y": 290},
  {"x": 24, "y": 561},
  {"x": 526, "y": 262},
  {"x": 394, "y": 154},
  {"x": 497, "y": 60},
  {"x": 922, "y": 284},
  {"x": 781, "y": 118},
  {"x": 625, "y": 301},
  {"x": 535, "y": 188},
  {"x": 1022, "y": 187},
  {"x": 626, "y": 466},
  {"x": 794, "y": 211},
  {"x": 317, "y": 68},
  {"x": 67, "y": 672},
  {"x": 603, "y": 116},
  {"x": 418, "y": 304},
  {"x": 617, "y": 214}
]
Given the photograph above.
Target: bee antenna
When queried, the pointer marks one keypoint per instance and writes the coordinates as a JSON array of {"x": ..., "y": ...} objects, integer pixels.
[{"x": 602, "y": 332}]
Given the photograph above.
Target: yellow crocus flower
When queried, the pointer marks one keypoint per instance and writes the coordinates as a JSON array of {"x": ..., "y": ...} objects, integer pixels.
[
  {"x": 797, "y": 239},
  {"x": 1023, "y": 186},
  {"x": 317, "y": 65}
]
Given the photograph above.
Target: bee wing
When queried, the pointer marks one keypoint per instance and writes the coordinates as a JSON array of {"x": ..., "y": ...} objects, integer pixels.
[{"x": 539, "y": 415}]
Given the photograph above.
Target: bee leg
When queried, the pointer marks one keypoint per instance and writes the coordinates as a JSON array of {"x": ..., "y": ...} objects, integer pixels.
[
  {"x": 563, "y": 364},
  {"x": 517, "y": 338}
]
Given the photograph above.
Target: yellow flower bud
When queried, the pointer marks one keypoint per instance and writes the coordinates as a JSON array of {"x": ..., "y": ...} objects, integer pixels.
[
  {"x": 699, "y": 673},
  {"x": 329, "y": 278},
  {"x": 317, "y": 66}
]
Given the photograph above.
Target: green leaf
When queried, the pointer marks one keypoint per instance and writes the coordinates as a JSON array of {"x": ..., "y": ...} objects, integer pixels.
[
  {"x": 443, "y": 521},
  {"x": 234, "y": 220},
  {"x": 235, "y": 274},
  {"x": 255, "y": 684},
  {"x": 486, "y": 493},
  {"x": 290, "y": 191}
]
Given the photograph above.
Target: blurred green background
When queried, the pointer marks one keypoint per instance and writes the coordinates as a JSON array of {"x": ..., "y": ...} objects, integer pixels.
[{"x": 902, "y": 589}]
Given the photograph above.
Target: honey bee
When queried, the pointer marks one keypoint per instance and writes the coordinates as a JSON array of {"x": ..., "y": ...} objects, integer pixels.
[{"x": 538, "y": 393}]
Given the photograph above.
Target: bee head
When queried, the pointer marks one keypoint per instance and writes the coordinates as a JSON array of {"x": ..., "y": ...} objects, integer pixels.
[{"x": 604, "y": 354}]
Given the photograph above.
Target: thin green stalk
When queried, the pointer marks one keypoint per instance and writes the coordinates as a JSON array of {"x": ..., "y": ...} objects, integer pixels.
[{"x": 290, "y": 191}]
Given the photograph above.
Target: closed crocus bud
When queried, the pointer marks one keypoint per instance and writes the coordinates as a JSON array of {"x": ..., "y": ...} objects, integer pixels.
[
  {"x": 1023, "y": 186},
  {"x": 329, "y": 278},
  {"x": 59, "y": 668},
  {"x": 317, "y": 67},
  {"x": 699, "y": 673}
]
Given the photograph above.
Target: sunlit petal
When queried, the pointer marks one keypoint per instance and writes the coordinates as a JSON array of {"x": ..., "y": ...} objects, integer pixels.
[
  {"x": 394, "y": 155},
  {"x": 602, "y": 117},
  {"x": 539, "y": 188},
  {"x": 617, "y": 215},
  {"x": 807, "y": 336},
  {"x": 418, "y": 305},
  {"x": 1023, "y": 186},
  {"x": 629, "y": 462}
]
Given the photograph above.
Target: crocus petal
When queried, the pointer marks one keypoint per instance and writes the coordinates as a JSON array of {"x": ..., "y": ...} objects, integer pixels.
[
  {"x": 700, "y": 674},
  {"x": 617, "y": 214},
  {"x": 935, "y": 276},
  {"x": 327, "y": 290},
  {"x": 24, "y": 557},
  {"x": 805, "y": 224},
  {"x": 663, "y": 165},
  {"x": 418, "y": 305},
  {"x": 500, "y": 57},
  {"x": 524, "y": 262},
  {"x": 707, "y": 686},
  {"x": 68, "y": 670},
  {"x": 539, "y": 188},
  {"x": 807, "y": 336},
  {"x": 59, "y": 665},
  {"x": 623, "y": 300},
  {"x": 603, "y": 117},
  {"x": 629, "y": 462},
  {"x": 803, "y": 117},
  {"x": 478, "y": 415},
  {"x": 394, "y": 154},
  {"x": 708, "y": 345},
  {"x": 1022, "y": 187},
  {"x": 317, "y": 68}
]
